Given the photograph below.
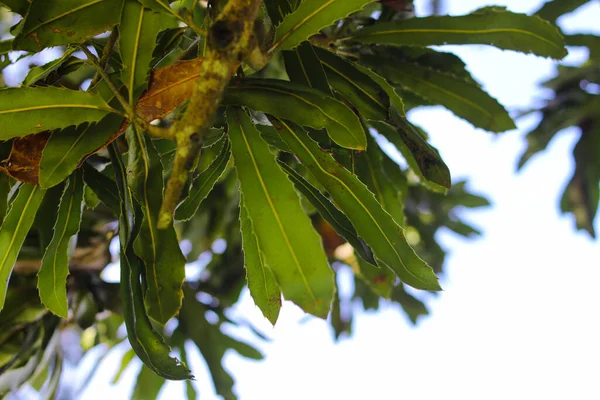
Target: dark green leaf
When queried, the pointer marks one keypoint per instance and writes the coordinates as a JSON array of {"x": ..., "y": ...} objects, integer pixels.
[
  {"x": 17, "y": 6},
  {"x": 104, "y": 187},
  {"x": 413, "y": 307},
  {"x": 52, "y": 276},
  {"x": 380, "y": 280},
  {"x": 158, "y": 248},
  {"x": 24, "y": 111},
  {"x": 5, "y": 187},
  {"x": 490, "y": 25},
  {"x": 422, "y": 158},
  {"x": 36, "y": 74},
  {"x": 14, "y": 229},
  {"x": 372, "y": 222},
  {"x": 553, "y": 9},
  {"x": 289, "y": 244},
  {"x": 464, "y": 98},
  {"x": 303, "y": 67},
  {"x": 304, "y": 106},
  {"x": 203, "y": 184},
  {"x": 66, "y": 21}
]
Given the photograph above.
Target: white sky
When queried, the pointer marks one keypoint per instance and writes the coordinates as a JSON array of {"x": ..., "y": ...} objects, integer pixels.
[{"x": 519, "y": 315}]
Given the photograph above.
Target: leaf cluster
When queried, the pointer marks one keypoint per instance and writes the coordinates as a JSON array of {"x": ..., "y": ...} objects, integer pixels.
[{"x": 277, "y": 142}]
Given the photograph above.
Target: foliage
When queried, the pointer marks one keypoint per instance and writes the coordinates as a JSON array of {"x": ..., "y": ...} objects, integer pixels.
[
  {"x": 265, "y": 125},
  {"x": 574, "y": 103}
]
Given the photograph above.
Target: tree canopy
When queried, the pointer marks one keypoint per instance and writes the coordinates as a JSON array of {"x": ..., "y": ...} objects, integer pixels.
[{"x": 163, "y": 127}]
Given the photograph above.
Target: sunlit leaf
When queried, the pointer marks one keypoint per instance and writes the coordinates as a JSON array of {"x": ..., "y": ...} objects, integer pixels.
[
  {"x": 262, "y": 284},
  {"x": 304, "y": 106},
  {"x": 310, "y": 17},
  {"x": 380, "y": 231},
  {"x": 24, "y": 111},
  {"x": 289, "y": 244}
]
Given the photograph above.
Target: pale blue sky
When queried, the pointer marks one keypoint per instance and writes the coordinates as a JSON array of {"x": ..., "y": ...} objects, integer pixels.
[{"x": 519, "y": 315}]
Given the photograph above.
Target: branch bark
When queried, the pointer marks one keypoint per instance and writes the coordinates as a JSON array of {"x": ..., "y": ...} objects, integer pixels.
[{"x": 230, "y": 41}]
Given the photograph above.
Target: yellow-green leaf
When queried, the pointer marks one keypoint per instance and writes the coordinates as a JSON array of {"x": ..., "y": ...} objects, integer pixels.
[{"x": 290, "y": 246}]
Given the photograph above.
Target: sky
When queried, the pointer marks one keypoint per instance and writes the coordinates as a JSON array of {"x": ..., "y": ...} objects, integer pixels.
[{"x": 518, "y": 317}]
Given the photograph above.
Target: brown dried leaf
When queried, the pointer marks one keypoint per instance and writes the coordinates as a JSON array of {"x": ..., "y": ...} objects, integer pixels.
[{"x": 24, "y": 159}]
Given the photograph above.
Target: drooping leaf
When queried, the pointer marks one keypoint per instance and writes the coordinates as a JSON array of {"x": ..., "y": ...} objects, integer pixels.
[
  {"x": 290, "y": 246},
  {"x": 552, "y": 9},
  {"x": 372, "y": 222},
  {"x": 356, "y": 87},
  {"x": 138, "y": 31},
  {"x": 157, "y": 248},
  {"x": 203, "y": 184},
  {"x": 52, "y": 276},
  {"x": 262, "y": 284},
  {"x": 149, "y": 346},
  {"x": 304, "y": 106},
  {"x": 490, "y": 25},
  {"x": 413, "y": 307},
  {"x": 330, "y": 213},
  {"x": 422, "y": 158},
  {"x": 303, "y": 67},
  {"x": 369, "y": 169},
  {"x": 278, "y": 9},
  {"x": 36, "y": 74},
  {"x": 66, "y": 148},
  {"x": 104, "y": 187},
  {"x": 67, "y": 21},
  {"x": 24, "y": 111},
  {"x": 310, "y": 17},
  {"x": 147, "y": 385},
  {"x": 14, "y": 229},
  {"x": 465, "y": 99}
]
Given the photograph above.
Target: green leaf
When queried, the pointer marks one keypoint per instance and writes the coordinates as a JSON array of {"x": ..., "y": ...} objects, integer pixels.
[
  {"x": 372, "y": 222},
  {"x": 304, "y": 106},
  {"x": 380, "y": 280},
  {"x": 413, "y": 307},
  {"x": 24, "y": 111},
  {"x": 490, "y": 25},
  {"x": 423, "y": 159},
  {"x": 66, "y": 148},
  {"x": 66, "y": 21},
  {"x": 261, "y": 281},
  {"x": 310, "y": 17},
  {"x": 52, "y": 276},
  {"x": 39, "y": 73},
  {"x": 304, "y": 67},
  {"x": 157, "y": 248},
  {"x": 203, "y": 184},
  {"x": 138, "y": 31},
  {"x": 395, "y": 99},
  {"x": 278, "y": 9},
  {"x": 104, "y": 187},
  {"x": 17, "y": 6},
  {"x": 5, "y": 186},
  {"x": 125, "y": 361},
  {"x": 465, "y": 99},
  {"x": 14, "y": 229},
  {"x": 553, "y": 9},
  {"x": 369, "y": 169},
  {"x": 147, "y": 385},
  {"x": 149, "y": 346},
  {"x": 338, "y": 221},
  {"x": 355, "y": 86},
  {"x": 291, "y": 247}
]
